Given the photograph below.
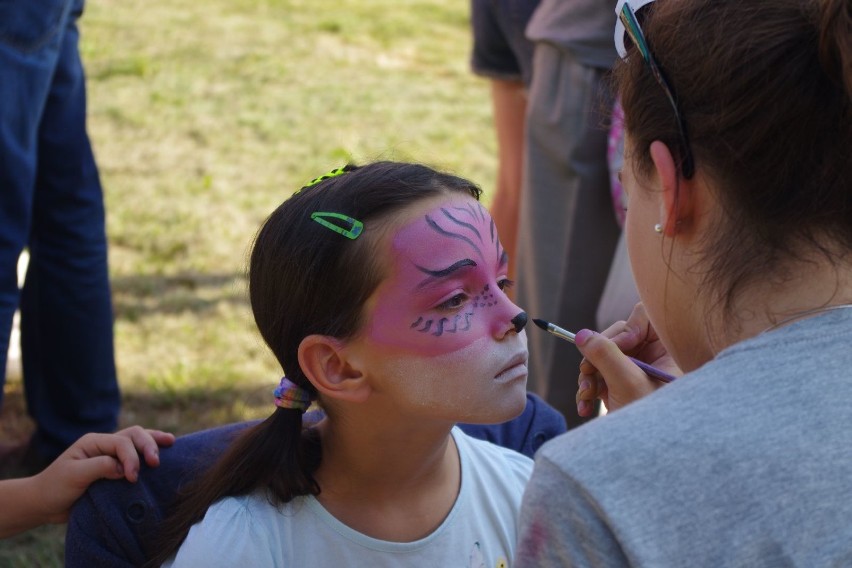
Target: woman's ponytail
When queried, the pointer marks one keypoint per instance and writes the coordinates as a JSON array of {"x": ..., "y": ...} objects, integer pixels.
[{"x": 835, "y": 41}]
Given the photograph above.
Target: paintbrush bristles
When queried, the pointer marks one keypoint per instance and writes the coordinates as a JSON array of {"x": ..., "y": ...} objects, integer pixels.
[{"x": 540, "y": 323}]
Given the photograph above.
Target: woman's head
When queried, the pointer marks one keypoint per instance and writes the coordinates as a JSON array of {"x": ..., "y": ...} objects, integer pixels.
[
  {"x": 764, "y": 90},
  {"x": 308, "y": 279}
]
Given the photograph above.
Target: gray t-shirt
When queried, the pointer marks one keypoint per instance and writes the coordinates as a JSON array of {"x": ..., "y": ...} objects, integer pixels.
[
  {"x": 583, "y": 27},
  {"x": 747, "y": 461}
]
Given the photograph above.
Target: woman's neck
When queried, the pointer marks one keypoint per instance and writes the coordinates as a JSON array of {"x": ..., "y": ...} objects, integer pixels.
[{"x": 806, "y": 289}]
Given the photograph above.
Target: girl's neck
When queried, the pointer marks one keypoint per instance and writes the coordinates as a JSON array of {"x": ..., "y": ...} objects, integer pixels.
[
  {"x": 391, "y": 483},
  {"x": 377, "y": 453}
]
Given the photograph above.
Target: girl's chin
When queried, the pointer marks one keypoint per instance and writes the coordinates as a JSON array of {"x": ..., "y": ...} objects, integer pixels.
[{"x": 510, "y": 405}]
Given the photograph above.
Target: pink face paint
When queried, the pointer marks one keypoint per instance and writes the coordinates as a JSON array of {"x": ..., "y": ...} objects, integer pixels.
[
  {"x": 444, "y": 291},
  {"x": 439, "y": 341}
]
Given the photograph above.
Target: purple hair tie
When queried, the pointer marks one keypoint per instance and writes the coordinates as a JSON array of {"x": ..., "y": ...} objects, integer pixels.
[{"x": 290, "y": 395}]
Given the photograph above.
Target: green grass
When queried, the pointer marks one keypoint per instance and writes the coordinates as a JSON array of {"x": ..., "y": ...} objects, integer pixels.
[{"x": 204, "y": 116}]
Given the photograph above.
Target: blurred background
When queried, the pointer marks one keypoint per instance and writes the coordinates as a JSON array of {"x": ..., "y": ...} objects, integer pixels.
[{"x": 204, "y": 117}]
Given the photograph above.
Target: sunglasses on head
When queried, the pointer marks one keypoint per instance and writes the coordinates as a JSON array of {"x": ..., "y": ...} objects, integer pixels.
[{"x": 627, "y": 26}]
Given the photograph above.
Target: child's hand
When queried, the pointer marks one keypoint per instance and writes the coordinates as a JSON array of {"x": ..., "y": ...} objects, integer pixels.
[
  {"x": 606, "y": 372},
  {"x": 93, "y": 457}
]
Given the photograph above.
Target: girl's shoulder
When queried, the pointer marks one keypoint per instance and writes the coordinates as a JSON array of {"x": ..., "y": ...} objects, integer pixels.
[
  {"x": 487, "y": 457},
  {"x": 235, "y": 531}
]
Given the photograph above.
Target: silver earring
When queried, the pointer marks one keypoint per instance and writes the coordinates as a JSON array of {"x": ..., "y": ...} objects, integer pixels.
[{"x": 658, "y": 228}]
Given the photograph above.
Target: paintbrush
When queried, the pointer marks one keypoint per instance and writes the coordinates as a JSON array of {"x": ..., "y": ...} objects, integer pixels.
[{"x": 652, "y": 372}]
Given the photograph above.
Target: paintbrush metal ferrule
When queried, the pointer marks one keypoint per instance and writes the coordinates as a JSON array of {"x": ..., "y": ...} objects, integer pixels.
[{"x": 562, "y": 333}]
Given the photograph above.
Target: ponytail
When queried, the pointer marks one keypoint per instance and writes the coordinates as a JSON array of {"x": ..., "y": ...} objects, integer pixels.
[
  {"x": 277, "y": 454},
  {"x": 292, "y": 275}
]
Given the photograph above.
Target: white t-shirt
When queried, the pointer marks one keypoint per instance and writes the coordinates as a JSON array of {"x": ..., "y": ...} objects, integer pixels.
[{"x": 479, "y": 532}]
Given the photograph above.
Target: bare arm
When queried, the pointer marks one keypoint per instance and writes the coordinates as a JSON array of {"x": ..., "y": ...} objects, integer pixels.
[{"x": 48, "y": 496}]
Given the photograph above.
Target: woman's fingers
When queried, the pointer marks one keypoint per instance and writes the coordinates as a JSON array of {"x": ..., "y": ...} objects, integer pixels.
[{"x": 607, "y": 373}]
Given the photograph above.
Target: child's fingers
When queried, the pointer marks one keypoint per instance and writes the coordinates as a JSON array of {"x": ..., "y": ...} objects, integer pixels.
[
  {"x": 165, "y": 439},
  {"x": 147, "y": 442},
  {"x": 102, "y": 467},
  {"x": 118, "y": 448}
]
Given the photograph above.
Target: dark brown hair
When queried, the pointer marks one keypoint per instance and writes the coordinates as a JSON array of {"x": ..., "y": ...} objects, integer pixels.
[
  {"x": 305, "y": 279},
  {"x": 765, "y": 90}
]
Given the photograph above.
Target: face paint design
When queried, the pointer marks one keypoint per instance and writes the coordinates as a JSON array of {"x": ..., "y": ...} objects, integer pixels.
[
  {"x": 441, "y": 338},
  {"x": 445, "y": 288}
]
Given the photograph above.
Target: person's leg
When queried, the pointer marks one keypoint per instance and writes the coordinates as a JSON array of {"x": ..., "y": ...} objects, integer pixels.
[
  {"x": 30, "y": 33},
  {"x": 568, "y": 232},
  {"x": 502, "y": 53},
  {"x": 66, "y": 311},
  {"x": 509, "y": 100}
]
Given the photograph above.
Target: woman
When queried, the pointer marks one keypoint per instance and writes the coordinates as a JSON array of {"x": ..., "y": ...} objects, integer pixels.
[{"x": 739, "y": 230}]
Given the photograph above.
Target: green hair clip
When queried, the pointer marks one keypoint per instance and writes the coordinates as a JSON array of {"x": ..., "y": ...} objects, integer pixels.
[
  {"x": 354, "y": 229},
  {"x": 333, "y": 173}
]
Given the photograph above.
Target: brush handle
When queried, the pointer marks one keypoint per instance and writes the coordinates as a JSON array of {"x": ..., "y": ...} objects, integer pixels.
[
  {"x": 653, "y": 372},
  {"x": 649, "y": 370}
]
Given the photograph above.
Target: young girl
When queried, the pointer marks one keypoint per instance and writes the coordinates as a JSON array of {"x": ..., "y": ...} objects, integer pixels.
[{"x": 380, "y": 290}]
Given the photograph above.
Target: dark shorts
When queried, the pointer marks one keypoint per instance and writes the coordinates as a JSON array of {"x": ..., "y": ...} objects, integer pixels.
[{"x": 501, "y": 50}]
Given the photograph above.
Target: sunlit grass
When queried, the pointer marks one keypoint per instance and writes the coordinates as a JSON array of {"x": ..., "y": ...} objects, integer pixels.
[
  {"x": 202, "y": 126},
  {"x": 204, "y": 116}
]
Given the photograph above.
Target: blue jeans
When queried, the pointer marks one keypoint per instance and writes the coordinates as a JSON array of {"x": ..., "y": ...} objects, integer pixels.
[{"x": 51, "y": 202}]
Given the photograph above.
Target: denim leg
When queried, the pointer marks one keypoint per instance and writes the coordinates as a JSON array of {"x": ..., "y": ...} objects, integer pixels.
[
  {"x": 30, "y": 36},
  {"x": 66, "y": 310}
]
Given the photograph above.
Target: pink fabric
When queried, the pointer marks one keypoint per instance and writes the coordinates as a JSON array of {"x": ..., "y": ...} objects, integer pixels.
[{"x": 615, "y": 159}]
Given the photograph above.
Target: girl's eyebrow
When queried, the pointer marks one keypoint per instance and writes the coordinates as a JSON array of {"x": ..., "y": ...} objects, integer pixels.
[
  {"x": 504, "y": 259},
  {"x": 435, "y": 274}
]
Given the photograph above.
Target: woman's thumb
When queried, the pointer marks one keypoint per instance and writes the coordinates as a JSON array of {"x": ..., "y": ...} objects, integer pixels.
[{"x": 604, "y": 354}]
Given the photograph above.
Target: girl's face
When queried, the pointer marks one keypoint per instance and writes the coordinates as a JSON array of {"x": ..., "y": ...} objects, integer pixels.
[{"x": 439, "y": 333}]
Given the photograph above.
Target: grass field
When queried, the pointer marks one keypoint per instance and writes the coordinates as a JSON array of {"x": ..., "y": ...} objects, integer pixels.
[{"x": 204, "y": 116}]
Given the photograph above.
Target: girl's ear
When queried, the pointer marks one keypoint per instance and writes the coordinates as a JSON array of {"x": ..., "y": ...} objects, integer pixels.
[
  {"x": 677, "y": 204},
  {"x": 324, "y": 361}
]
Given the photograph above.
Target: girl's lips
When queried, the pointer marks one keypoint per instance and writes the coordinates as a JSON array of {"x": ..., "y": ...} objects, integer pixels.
[{"x": 515, "y": 368}]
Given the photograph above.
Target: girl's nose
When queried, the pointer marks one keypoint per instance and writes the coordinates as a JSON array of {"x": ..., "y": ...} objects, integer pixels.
[
  {"x": 519, "y": 321},
  {"x": 509, "y": 317}
]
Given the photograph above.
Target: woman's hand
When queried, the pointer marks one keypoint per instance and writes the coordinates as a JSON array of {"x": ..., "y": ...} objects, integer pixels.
[{"x": 607, "y": 373}]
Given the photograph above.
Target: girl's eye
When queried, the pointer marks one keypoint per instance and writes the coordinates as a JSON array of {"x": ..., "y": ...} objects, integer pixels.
[
  {"x": 505, "y": 283},
  {"x": 453, "y": 303}
]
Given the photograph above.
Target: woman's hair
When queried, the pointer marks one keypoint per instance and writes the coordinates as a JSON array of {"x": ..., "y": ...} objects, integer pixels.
[
  {"x": 304, "y": 279},
  {"x": 765, "y": 90}
]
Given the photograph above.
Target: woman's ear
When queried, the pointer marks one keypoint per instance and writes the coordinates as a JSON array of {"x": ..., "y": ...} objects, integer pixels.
[
  {"x": 324, "y": 361},
  {"x": 677, "y": 204}
]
